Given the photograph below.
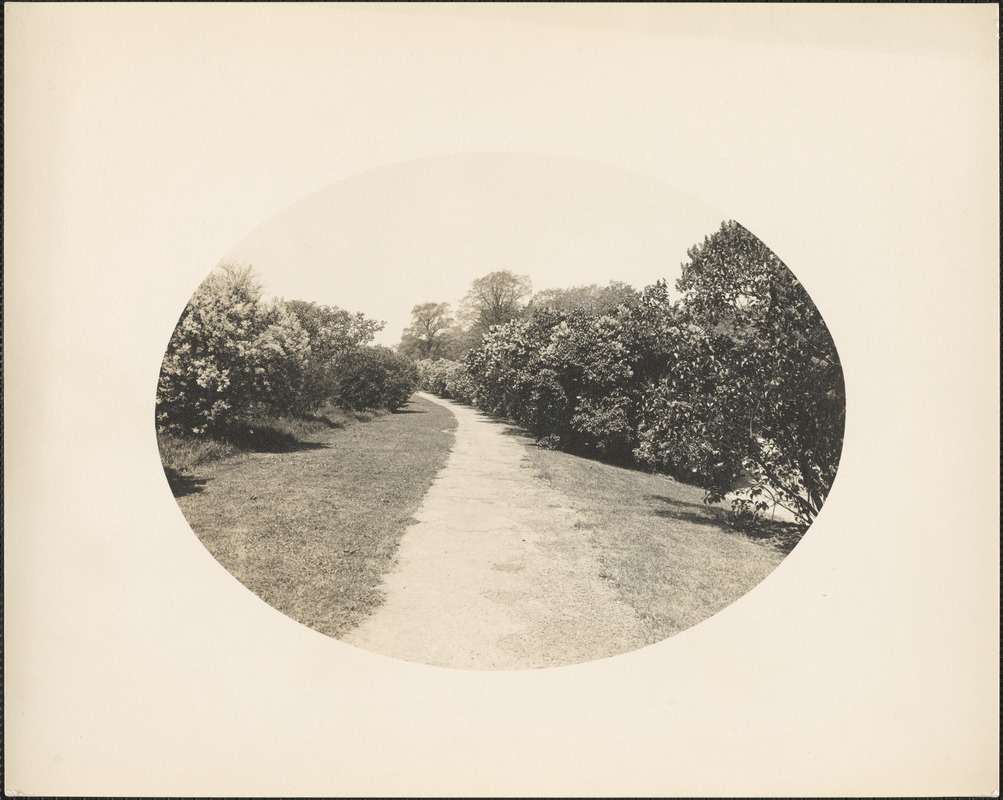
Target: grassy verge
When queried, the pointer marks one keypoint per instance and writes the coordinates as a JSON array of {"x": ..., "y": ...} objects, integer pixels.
[
  {"x": 675, "y": 560},
  {"x": 307, "y": 514},
  {"x": 263, "y": 433}
]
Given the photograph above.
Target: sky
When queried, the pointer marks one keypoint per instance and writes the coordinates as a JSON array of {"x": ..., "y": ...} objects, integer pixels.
[{"x": 388, "y": 239}]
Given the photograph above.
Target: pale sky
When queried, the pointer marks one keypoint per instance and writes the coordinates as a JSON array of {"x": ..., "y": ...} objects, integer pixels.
[{"x": 385, "y": 240}]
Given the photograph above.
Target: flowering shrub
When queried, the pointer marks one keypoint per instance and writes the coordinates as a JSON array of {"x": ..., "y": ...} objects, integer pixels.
[
  {"x": 445, "y": 378},
  {"x": 505, "y": 370},
  {"x": 737, "y": 383},
  {"x": 233, "y": 355},
  {"x": 229, "y": 354}
]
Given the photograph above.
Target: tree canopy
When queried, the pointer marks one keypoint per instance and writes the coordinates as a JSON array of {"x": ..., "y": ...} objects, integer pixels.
[
  {"x": 594, "y": 299},
  {"x": 429, "y": 329},
  {"x": 755, "y": 388},
  {"x": 334, "y": 334},
  {"x": 494, "y": 299}
]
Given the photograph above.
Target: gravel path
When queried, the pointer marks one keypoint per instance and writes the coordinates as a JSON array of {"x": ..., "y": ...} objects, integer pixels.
[{"x": 494, "y": 574}]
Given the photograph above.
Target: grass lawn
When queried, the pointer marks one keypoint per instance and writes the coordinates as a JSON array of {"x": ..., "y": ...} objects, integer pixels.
[
  {"x": 307, "y": 514},
  {"x": 670, "y": 556}
]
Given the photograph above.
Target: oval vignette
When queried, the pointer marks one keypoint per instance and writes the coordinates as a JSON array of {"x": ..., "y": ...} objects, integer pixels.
[{"x": 500, "y": 411}]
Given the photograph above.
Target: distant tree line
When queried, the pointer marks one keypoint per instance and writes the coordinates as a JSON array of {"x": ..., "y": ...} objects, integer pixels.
[
  {"x": 234, "y": 353},
  {"x": 735, "y": 385}
]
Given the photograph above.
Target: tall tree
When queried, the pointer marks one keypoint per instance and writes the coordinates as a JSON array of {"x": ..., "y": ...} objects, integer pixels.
[
  {"x": 494, "y": 299},
  {"x": 429, "y": 329},
  {"x": 755, "y": 386}
]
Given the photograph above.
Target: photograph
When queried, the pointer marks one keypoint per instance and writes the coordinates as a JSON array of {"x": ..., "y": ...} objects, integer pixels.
[
  {"x": 549, "y": 465},
  {"x": 501, "y": 400}
]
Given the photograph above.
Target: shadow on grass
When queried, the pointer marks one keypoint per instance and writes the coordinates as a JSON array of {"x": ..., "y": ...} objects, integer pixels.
[
  {"x": 269, "y": 440},
  {"x": 409, "y": 411},
  {"x": 323, "y": 420},
  {"x": 783, "y": 536},
  {"x": 182, "y": 485},
  {"x": 519, "y": 433},
  {"x": 624, "y": 460},
  {"x": 691, "y": 512}
]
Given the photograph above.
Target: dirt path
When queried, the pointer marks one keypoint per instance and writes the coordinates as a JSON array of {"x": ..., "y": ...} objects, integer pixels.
[{"x": 495, "y": 575}]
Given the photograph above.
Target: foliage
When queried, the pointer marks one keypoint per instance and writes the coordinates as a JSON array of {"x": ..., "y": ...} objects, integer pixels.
[
  {"x": 234, "y": 354},
  {"x": 569, "y": 378},
  {"x": 445, "y": 378},
  {"x": 333, "y": 330},
  {"x": 494, "y": 299},
  {"x": 755, "y": 387},
  {"x": 508, "y": 372},
  {"x": 737, "y": 384},
  {"x": 592, "y": 299},
  {"x": 333, "y": 333},
  {"x": 375, "y": 377},
  {"x": 230, "y": 353},
  {"x": 429, "y": 329}
]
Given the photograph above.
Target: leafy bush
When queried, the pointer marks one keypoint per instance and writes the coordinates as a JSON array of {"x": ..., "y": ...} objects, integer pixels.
[
  {"x": 375, "y": 377},
  {"x": 737, "y": 382},
  {"x": 234, "y": 355},
  {"x": 754, "y": 386},
  {"x": 432, "y": 376},
  {"x": 445, "y": 378},
  {"x": 574, "y": 378},
  {"x": 502, "y": 367},
  {"x": 334, "y": 333},
  {"x": 229, "y": 354}
]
